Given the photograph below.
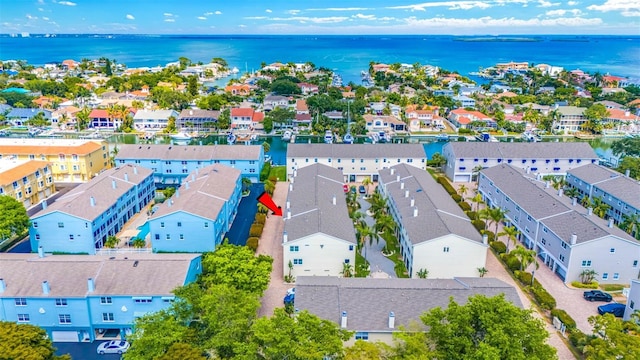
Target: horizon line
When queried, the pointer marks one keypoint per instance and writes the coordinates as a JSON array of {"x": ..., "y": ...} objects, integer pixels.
[{"x": 372, "y": 34}]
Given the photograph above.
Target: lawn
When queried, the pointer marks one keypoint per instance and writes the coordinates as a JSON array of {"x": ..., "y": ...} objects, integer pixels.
[
  {"x": 362, "y": 266},
  {"x": 394, "y": 246},
  {"x": 279, "y": 172}
]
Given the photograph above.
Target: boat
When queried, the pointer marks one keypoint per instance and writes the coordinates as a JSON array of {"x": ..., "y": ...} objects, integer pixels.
[
  {"x": 181, "y": 136},
  {"x": 486, "y": 137},
  {"x": 442, "y": 137},
  {"x": 374, "y": 137},
  {"x": 3, "y": 133},
  {"x": 231, "y": 138},
  {"x": 383, "y": 137},
  {"x": 34, "y": 131},
  {"x": 287, "y": 135},
  {"x": 347, "y": 139},
  {"x": 235, "y": 70},
  {"x": 529, "y": 136},
  {"x": 328, "y": 137}
]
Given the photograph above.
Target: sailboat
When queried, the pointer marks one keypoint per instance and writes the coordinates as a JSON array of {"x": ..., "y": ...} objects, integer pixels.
[
  {"x": 328, "y": 137},
  {"x": 348, "y": 138},
  {"x": 231, "y": 138},
  {"x": 287, "y": 135}
]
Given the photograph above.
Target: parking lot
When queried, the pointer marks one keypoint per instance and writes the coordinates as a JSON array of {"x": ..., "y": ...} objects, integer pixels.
[{"x": 83, "y": 351}]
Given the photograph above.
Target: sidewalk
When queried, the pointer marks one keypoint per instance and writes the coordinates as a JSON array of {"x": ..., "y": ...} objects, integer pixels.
[{"x": 378, "y": 263}]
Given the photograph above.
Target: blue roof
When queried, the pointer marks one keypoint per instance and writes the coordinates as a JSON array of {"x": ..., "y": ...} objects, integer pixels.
[
  {"x": 16, "y": 90},
  {"x": 28, "y": 113}
]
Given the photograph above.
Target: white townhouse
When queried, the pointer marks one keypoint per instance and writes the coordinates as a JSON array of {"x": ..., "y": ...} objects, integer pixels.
[
  {"x": 319, "y": 237},
  {"x": 620, "y": 192},
  {"x": 153, "y": 120},
  {"x": 356, "y": 161},
  {"x": 434, "y": 233},
  {"x": 567, "y": 237},
  {"x": 464, "y": 158},
  {"x": 633, "y": 300}
]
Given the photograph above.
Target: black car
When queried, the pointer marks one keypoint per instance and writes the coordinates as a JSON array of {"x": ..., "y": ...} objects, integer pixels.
[
  {"x": 597, "y": 295},
  {"x": 616, "y": 309}
]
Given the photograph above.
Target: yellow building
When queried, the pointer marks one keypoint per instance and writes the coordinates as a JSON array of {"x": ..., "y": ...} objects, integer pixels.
[
  {"x": 28, "y": 181},
  {"x": 71, "y": 160}
]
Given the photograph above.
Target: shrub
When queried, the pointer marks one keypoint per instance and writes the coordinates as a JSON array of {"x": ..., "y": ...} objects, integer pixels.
[
  {"x": 255, "y": 230},
  {"x": 260, "y": 218},
  {"x": 580, "y": 285},
  {"x": 464, "y": 206},
  {"x": 273, "y": 179},
  {"x": 578, "y": 339},
  {"x": 447, "y": 185},
  {"x": 479, "y": 224},
  {"x": 264, "y": 173},
  {"x": 490, "y": 235},
  {"x": 525, "y": 278},
  {"x": 566, "y": 319},
  {"x": 611, "y": 287},
  {"x": 471, "y": 214},
  {"x": 252, "y": 243},
  {"x": 498, "y": 246},
  {"x": 512, "y": 262},
  {"x": 543, "y": 298},
  {"x": 465, "y": 131},
  {"x": 456, "y": 197}
]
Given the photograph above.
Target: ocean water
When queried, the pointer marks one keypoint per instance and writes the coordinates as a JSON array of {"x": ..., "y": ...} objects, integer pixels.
[{"x": 347, "y": 55}]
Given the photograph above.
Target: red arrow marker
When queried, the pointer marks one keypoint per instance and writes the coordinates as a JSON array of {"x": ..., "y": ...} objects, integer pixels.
[{"x": 266, "y": 200}]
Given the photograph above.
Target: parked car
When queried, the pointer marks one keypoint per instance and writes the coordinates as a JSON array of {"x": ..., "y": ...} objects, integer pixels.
[
  {"x": 597, "y": 295},
  {"x": 289, "y": 298},
  {"x": 113, "y": 347},
  {"x": 291, "y": 291},
  {"x": 362, "y": 189},
  {"x": 614, "y": 308}
]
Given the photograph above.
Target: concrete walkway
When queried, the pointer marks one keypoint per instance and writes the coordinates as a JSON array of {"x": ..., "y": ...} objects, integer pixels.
[{"x": 379, "y": 264}]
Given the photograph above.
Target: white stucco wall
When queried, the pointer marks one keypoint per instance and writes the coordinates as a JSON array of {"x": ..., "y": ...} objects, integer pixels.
[
  {"x": 463, "y": 258},
  {"x": 321, "y": 254}
]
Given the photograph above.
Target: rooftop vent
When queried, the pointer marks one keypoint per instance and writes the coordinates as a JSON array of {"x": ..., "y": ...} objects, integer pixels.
[{"x": 135, "y": 263}]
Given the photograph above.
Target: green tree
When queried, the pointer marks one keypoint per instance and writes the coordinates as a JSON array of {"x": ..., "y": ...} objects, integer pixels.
[
  {"x": 477, "y": 199},
  {"x": 111, "y": 242},
  {"x": 587, "y": 276},
  {"x": 25, "y": 341},
  {"x": 224, "y": 120},
  {"x": 13, "y": 217},
  {"x": 303, "y": 337},
  {"x": 511, "y": 233},
  {"x": 156, "y": 333},
  {"x": 366, "y": 350},
  {"x": 600, "y": 208},
  {"x": 438, "y": 160},
  {"x": 613, "y": 339},
  {"x": 486, "y": 328},
  {"x": 237, "y": 266},
  {"x": 192, "y": 85},
  {"x": 632, "y": 164},
  {"x": 462, "y": 190},
  {"x": 182, "y": 351},
  {"x": 526, "y": 257},
  {"x": 631, "y": 224},
  {"x": 423, "y": 273},
  {"x": 246, "y": 184},
  {"x": 495, "y": 216},
  {"x": 285, "y": 87},
  {"x": 626, "y": 147},
  {"x": 347, "y": 270}
]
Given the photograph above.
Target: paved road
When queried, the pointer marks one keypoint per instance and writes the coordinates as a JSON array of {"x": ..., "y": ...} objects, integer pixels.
[
  {"x": 378, "y": 263},
  {"x": 247, "y": 208},
  {"x": 83, "y": 351}
]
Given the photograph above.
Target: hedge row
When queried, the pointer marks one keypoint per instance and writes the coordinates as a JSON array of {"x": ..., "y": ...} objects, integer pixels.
[
  {"x": 456, "y": 197},
  {"x": 252, "y": 243},
  {"x": 564, "y": 317},
  {"x": 580, "y": 285},
  {"x": 264, "y": 173},
  {"x": 464, "y": 206},
  {"x": 256, "y": 230},
  {"x": 473, "y": 215},
  {"x": 543, "y": 298},
  {"x": 260, "y": 218},
  {"x": 498, "y": 246},
  {"x": 447, "y": 185},
  {"x": 479, "y": 225},
  {"x": 525, "y": 278},
  {"x": 513, "y": 263}
]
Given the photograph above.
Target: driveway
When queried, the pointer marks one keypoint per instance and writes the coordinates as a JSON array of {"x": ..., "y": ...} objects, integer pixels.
[
  {"x": 378, "y": 263},
  {"x": 83, "y": 351},
  {"x": 239, "y": 231}
]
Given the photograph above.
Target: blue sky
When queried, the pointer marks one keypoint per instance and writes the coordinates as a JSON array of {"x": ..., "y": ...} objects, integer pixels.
[{"x": 321, "y": 16}]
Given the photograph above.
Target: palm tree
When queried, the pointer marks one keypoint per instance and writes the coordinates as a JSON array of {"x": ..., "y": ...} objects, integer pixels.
[
  {"x": 266, "y": 146},
  {"x": 631, "y": 225},
  {"x": 586, "y": 202},
  {"x": 365, "y": 232},
  {"x": 357, "y": 216},
  {"x": 269, "y": 187},
  {"x": 482, "y": 271},
  {"x": 462, "y": 189},
  {"x": 423, "y": 273},
  {"x": 558, "y": 182},
  {"x": 366, "y": 182},
  {"x": 496, "y": 215},
  {"x": 246, "y": 183},
  {"x": 483, "y": 215},
  {"x": 512, "y": 234},
  {"x": 347, "y": 270},
  {"x": 526, "y": 257},
  {"x": 600, "y": 208},
  {"x": 384, "y": 222},
  {"x": 111, "y": 242},
  {"x": 474, "y": 173},
  {"x": 477, "y": 199},
  {"x": 112, "y": 158},
  {"x": 587, "y": 276},
  {"x": 572, "y": 192},
  {"x": 378, "y": 204}
]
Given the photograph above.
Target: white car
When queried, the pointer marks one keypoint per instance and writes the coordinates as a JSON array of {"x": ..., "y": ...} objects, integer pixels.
[
  {"x": 291, "y": 291},
  {"x": 113, "y": 347}
]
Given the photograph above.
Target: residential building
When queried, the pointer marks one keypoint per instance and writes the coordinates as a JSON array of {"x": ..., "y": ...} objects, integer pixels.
[
  {"x": 443, "y": 92},
  {"x": 567, "y": 238},
  {"x": 570, "y": 119},
  {"x": 620, "y": 192},
  {"x": 78, "y": 298},
  {"x": 238, "y": 89},
  {"x": 196, "y": 119},
  {"x": 319, "y": 237},
  {"x": 199, "y": 214},
  {"x": 425, "y": 119},
  {"x": 434, "y": 233},
  {"x": 356, "y": 161},
  {"x": 465, "y": 101},
  {"x": 307, "y": 88},
  {"x": 462, "y": 119},
  {"x": 465, "y": 158},
  {"x": 550, "y": 70},
  {"x": 377, "y": 123},
  {"x": 513, "y": 66},
  {"x": 80, "y": 221},
  {"x": 171, "y": 164},
  {"x": 633, "y": 300},
  {"x": 20, "y": 116},
  {"x": 28, "y": 181},
  {"x": 102, "y": 119},
  {"x": 245, "y": 118},
  {"x": 621, "y": 118},
  {"x": 273, "y": 101},
  {"x": 376, "y": 308},
  {"x": 153, "y": 120},
  {"x": 71, "y": 160}
]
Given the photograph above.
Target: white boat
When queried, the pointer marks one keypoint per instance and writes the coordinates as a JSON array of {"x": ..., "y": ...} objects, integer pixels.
[
  {"x": 442, "y": 137},
  {"x": 374, "y": 137},
  {"x": 328, "y": 137},
  {"x": 287, "y": 135},
  {"x": 235, "y": 70},
  {"x": 347, "y": 139},
  {"x": 181, "y": 136},
  {"x": 231, "y": 138},
  {"x": 383, "y": 137}
]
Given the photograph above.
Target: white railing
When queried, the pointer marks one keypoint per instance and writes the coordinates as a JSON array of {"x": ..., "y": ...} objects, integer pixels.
[{"x": 123, "y": 251}]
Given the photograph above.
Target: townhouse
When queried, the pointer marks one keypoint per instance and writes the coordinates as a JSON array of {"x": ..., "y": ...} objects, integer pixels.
[
  {"x": 620, "y": 192},
  {"x": 171, "y": 164},
  {"x": 153, "y": 120},
  {"x": 245, "y": 118},
  {"x": 71, "y": 160},
  {"x": 434, "y": 233},
  {"x": 80, "y": 221},
  {"x": 633, "y": 300},
  {"x": 197, "y": 119},
  {"x": 199, "y": 214},
  {"x": 319, "y": 237},
  {"x": 77, "y": 298},
  {"x": 568, "y": 238},
  {"x": 465, "y": 101},
  {"x": 28, "y": 181},
  {"x": 376, "y": 308},
  {"x": 356, "y": 161},
  {"x": 464, "y": 159},
  {"x": 570, "y": 119}
]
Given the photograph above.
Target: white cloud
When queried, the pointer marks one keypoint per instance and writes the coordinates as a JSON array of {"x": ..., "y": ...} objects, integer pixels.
[
  {"x": 545, "y": 3},
  {"x": 66, "y": 3},
  {"x": 130, "y": 17},
  {"x": 562, "y": 12},
  {"x": 168, "y": 14},
  {"x": 218, "y": 12},
  {"x": 364, "y": 17},
  {"x": 169, "y": 20},
  {"x": 452, "y": 5},
  {"x": 572, "y": 3},
  {"x": 40, "y": 1},
  {"x": 315, "y": 20},
  {"x": 45, "y": 18},
  {"x": 625, "y": 7},
  {"x": 293, "y": 12},
  {"x": 201, "y": 18},
  {"x": 30, "y": 17},
  {"x": 505, "y": 23},
  {"x": 341, "y": 9},
  {"x": 268, "y": 10},
  {"x": 208, "y": 13},
  {"x": 40, "y": 9}
]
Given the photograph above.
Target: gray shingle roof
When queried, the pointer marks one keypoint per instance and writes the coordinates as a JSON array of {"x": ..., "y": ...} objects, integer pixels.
[
  {"x": 312, "y": 209},
  {"x": 612, "y": 182},
  {"x": 154, "y": 274},
  {"x": 189, "y": 152},
  {"x": 538, "y": 150},
  {"x": 203, "y": 193},
  {"x": 586, "y": 227},
  {"x": 77, "y": 202},
  {"x": 368, "y": 302},
  {"x": 198, "y": 114},
  {"x": 366, "y": 151},
  {"x": 438, "y": 215}
]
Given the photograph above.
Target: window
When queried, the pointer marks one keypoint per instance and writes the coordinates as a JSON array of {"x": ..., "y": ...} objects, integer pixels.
[
  {"x": 71, "y": 237},
  {"x": 21, "y": 301},
  {"x": 61, "y": 302},
  {"x": 605, "y": 276},
  {"x": 586, "y": 263},
  {"x": 616, "y": 276},
  {"x": 612, "y": 250},
  {"x": 544, "y": 242},
  {"x": 23, "y": 317},
  {"x": 564, "y": 244},
  {"x": 35, "y": 224},
  {"x": 445, "y": 249},
  {"x": 162, "y": 224},
  {"x": 351, "y": 249},
  {"x": 346, "y": 261},
  {"x": 206, "y": 224},
  {"x": 142, "y": 300},
  {"x": 297, "y": 261},
  {"x": 37, "y": 236},
  {"x": 157, "y": 236},
  {"x": 179, "y": 224},
  {"x": 168, "y": 236},
  {"x": 106, "y": 300},
  {"x": 528, "y": 217},
  {"x": 294, "y": 248},
  {"x": 64, "y": 319},
  {"x": 60, "y": 224},
  {"x": 107, "y": 317},
  {"x": 635, "y": 263},
  {"x": 561, "y": 257},
  {"x": 362, "y": 336}
]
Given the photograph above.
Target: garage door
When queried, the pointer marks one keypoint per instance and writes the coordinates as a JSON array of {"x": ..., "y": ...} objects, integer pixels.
[
  {"x": 65, "y": 336},
  {"x": 462, "y": 178}
]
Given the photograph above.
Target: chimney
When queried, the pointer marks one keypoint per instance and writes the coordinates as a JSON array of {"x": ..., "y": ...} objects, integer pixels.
[
  {"x": 40, "y": 252},
  {"x": 92, "y": 201},
  {"x": 135, "y": 170},
  {"x": 186, "y": 185},
  {"x": 197, "y": 171},
  {"x": 402, "y": 185},
  {"x": 574, "y": 238},
  {"x": 126, "y": 177},
  {"x": 546, "y": 184},
  {"x": 334, "y": 199},
  {"x": 393, "y": 171},
  {"x": 113, "y": 184},
  {"x": 627, "y": 113},
  {"x": 398, "y": 178},
  {"x": 290, "y": 187},
  {"x": 392, "y": 320},
  {"x": 288, "y": 204},
  {"x": 406, "y": 193},
  {"x": 177, "y": 193},
  {"x": 3, "y": 286},
  {"x": 610, "y": 224},
  {"x": 91, "y": 285},
  {"x": 169, "y": 203},
  {"x": 560, "y": 192},
  {"x": 285, "y": 237},
  {"x": 288, "y": 214},
  {"x": 589, "y": 211},
  {"x": 45, "y": 287},
  {"x": 415, "y": 212},
  {"x": 295, "y": 172},
  {"x": 627, "y": 172},
  {"x": 413, "y": 202},
  {"x": 44, "y": 204},
  {"x": 292, "y": 179},
  {"x": 574, "y": 201},
  {"x": 528, "y": 170},
  {"x": 485, "y": 239},
  {"x": 343, "y": 322}
]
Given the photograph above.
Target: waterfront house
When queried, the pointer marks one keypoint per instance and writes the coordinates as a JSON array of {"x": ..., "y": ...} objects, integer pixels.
[
  {"x": 171, "y": 164},
  {"x": 21, "y": 117},
  {"x": 434, "y": 233},
  {"x": 199, "y": 214},
  {"x": 334, "y": 115},
  {"x": 271, "y": 102},
  {"x": 620, "y": 192},
  {"x": 620, "y": 119},
  {"x": 80, "y": 221},
  {"x": 462, "y": 119},
  {"x": 377, "y": 123},
  {"x": 356, "y": 161},
  {"x": 71, "y": 160},
  {"x": 374, "y": 309},
  {"x": 28, "y": 181},
  {"x": 153, "y": 120},
  {"x": 319, "y": 237},
  {"x": 464, "y": 158},
  {"x": 512, "y": 65},
  {"x": 238, "y": 89},
  {"x": 197, "y": 119},
  {"x": 611, "y": 105},
  {"x": 77, "y": 298},
  {"x": 443, "y": 92},
  {"x": 423, "y": 119},
  {"x": 465, "y": 101},
  {"x": 103, "y": 119},
  {"x": 244, "y": 118},
  {"x": 307, "y": 88},
  {"x": 570, "y": 119},
  {"x": 567, "y": 238}
]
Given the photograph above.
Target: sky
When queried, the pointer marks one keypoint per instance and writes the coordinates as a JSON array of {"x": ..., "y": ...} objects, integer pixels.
[{"x": 456, "y": 17}]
